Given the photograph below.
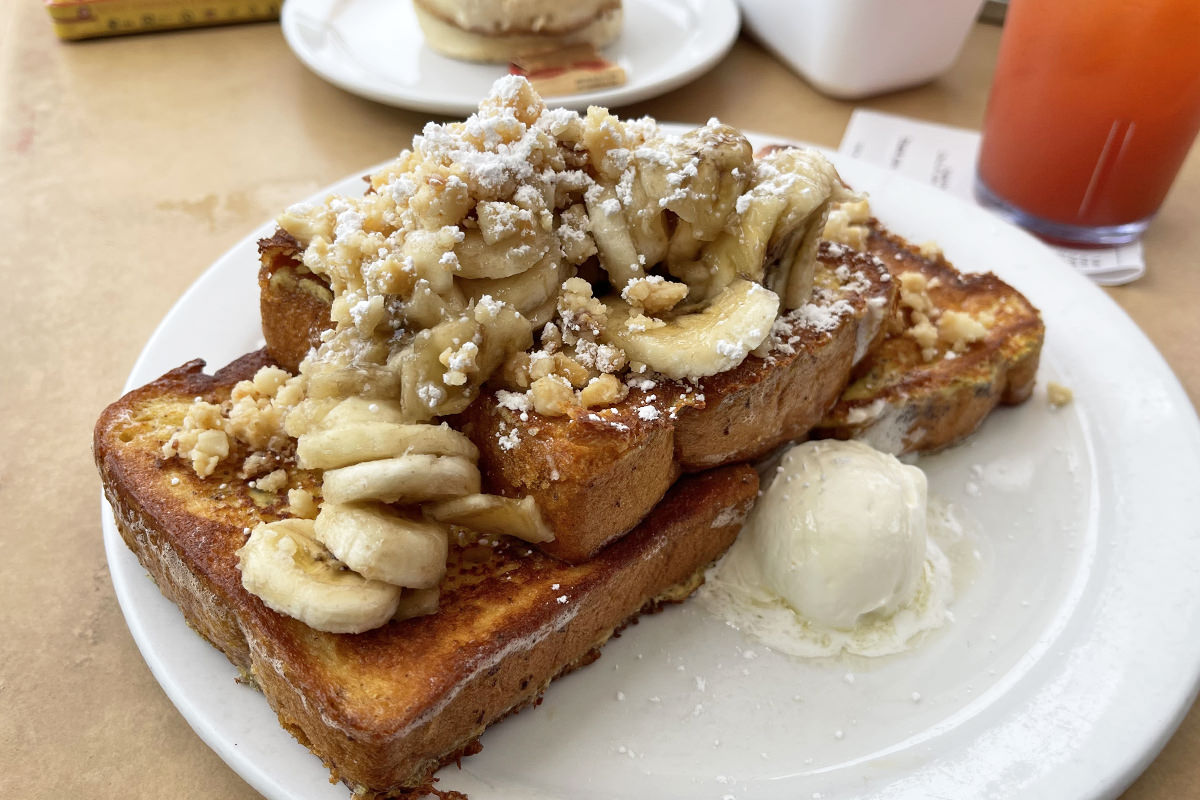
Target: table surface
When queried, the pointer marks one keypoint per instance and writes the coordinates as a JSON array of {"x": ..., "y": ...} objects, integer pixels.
[{"x": 128, "y": 165}]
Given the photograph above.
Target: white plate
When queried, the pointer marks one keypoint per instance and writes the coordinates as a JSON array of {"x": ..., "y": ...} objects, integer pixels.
[
  {"x": 375, "y": 48},
  {"x": 1072, "y": 658}
]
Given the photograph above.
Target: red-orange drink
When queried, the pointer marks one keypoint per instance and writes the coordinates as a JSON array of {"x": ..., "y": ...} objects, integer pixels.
[{"x": 1093, "y": 108}]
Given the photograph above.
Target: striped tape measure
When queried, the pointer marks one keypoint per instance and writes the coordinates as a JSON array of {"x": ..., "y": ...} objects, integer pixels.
[{"x": 84, "y": 19}]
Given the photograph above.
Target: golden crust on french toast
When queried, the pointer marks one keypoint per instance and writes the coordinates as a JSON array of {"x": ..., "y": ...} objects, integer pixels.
[
  {"x": 385, "y": 708},
  {"x": 918, "y": 395},
  {"x": 522, "y": 376},
  {"x": 595, "y": 473}
]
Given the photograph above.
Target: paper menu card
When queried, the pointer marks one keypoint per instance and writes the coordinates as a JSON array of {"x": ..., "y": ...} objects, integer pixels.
[{"x": 944, "y": 156}]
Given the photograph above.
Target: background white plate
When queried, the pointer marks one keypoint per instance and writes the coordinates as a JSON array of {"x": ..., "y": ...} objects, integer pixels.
[
  {"x": 1072, "y": 658},
  {"x": 375, "y": 48}
]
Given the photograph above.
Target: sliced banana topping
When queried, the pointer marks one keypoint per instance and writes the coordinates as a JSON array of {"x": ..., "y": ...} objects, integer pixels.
[
  {"x": 383, "y": 546},
  {"x": 489, "y": 513},
  {"x": 284, "y": 565},
  {"x": 703, "y": 342},
  {"x": 440, "y": 372},
  {"x": 783, "y": 216},
  {"x": 614, "y": 240},
  {"x": 484, "y": 237},
  {"x": 414, "y": 478},
  {"x": 370, "y": 454},
  {"x": 476, "y": 258},
  {"x": 700, "y": 176},
  {"x": 416, "y": 603},
  {"x": 368, "y": 441},
  {"x": 528, "y": 291},
  {"x": 360, "y": 409}
]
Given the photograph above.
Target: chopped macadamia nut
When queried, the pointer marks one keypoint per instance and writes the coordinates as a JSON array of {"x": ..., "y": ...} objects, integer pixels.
[
  {"x": 914, "y": 292},
  {"x": 489, "y": 230},
  {"x": 272, "y": 481},
  {"x": 604, "y": 390},
  {"x": 551, "y": 338},
  {"x": 210, "y": 447},
  {"x": 931, "y": 250},
  {"x": 302, "y": 504},
  {"x": 653, "y": 294},
  {"x": 958, "y": 329},
  {"x": 459, "y": 363},
  {"x": 935, "y": 330},
  {"x": 253, "y": 415},
  {"x": 847, "y": 224},
  {"x": 601, "y": 357},
  {"x": 1058, "y": 395},
  {"x": 573, "y": 234},
  {"x": 580, "y": 312},
  {"x": 552, "y": 395}
]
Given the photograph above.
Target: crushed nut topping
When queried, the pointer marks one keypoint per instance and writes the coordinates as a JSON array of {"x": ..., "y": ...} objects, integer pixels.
[
  {"x": 847, "y": 224},
  {"x": 551, "y": 256},
  {"x": 936, "y": 331}
]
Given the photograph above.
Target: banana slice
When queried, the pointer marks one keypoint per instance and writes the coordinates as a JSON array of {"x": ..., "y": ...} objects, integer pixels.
[
  {"x": 698, "y": 175},
  {"x": 358, "y": 409},
  {"x": 424, "y": 393},
  {"x": 384, "y": 546},
  {"x": 544, "y": 313},
  {"x": 293, "y": 573},
  {"x": 417, "y": 603},
  {"x": 425, "y": 390},
  {"x": 704, "y": 342},
  {"x": 618, "y": 255},
  {"x": 368, "y": 441},
  {"x": 743, "y": 254},
  {"x": 527, "y": 291},
  {"x": 409, "y": 479},
  {"x": 780, "y": 221},
  {"x": 511, "y": 256},
  {"x": 489, "y": 513}
]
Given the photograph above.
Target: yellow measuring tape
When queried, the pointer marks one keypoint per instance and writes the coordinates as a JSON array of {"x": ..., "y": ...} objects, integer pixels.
[{"x": 83, "y": 19}]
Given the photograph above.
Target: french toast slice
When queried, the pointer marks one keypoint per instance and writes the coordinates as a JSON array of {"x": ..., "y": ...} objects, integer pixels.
[
  {"x": 293, "y": 302},
  {"x": 384, "y": 709},
  {"x": 595, "y": 473},
  {"x": 920, "y": 393}
]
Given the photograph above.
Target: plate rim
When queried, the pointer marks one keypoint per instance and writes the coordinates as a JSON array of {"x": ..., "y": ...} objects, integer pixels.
[
  {"x": 1120, "y": 772},
  {"x": 725, "y": 20}
]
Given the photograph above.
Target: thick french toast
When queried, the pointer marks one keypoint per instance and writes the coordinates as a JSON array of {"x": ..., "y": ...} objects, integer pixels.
[
  {"x": 927, "y": 386},
  {"x": 384, "y": 709},
  {"x": 595, "y": 473}
]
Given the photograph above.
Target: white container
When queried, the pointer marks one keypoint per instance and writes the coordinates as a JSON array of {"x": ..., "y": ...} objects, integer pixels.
[{"x": 855, "y": 48}]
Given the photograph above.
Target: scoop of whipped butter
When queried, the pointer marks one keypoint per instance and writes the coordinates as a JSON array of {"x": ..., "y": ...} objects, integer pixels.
[{"x": 835, "y": 556}]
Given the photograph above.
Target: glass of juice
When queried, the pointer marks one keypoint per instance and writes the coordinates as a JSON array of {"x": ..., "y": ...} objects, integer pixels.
[{"x": 1093, "y": 108}]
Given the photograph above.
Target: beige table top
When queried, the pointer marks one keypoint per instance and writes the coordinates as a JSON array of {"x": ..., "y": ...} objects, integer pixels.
[{"x": 127, "y": 166}]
